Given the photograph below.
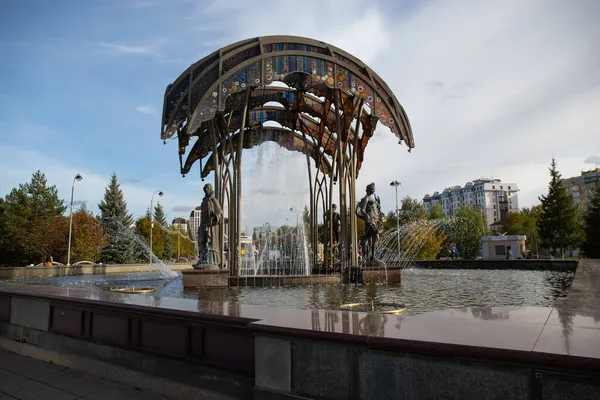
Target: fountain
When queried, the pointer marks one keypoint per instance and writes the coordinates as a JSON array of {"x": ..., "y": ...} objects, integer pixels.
[{"x": 319, "y": 101}]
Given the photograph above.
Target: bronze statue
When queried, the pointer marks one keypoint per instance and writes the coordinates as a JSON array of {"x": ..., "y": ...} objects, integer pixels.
[
  {"x": 369, "y": 210},
  {"x": 332, "y": 217},
  {"x": 211, "y": 215}
]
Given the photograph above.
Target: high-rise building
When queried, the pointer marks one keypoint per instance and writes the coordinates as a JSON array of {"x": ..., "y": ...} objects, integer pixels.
[
  {"x": 494, "y": 197},
  {"x": 181, "y": 223},
  {"x": 582, "y": 187},
  {"x": 194, "y": 222}
]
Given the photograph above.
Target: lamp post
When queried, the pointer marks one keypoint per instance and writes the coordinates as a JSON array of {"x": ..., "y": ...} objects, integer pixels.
[
  {"x": 292, "y": 209},
  {"x": 178, "y": 234},
  {"x": 152, "y": 219},
  {"x": 396, "y": 184},
  {"x": 77, "y": 177}
]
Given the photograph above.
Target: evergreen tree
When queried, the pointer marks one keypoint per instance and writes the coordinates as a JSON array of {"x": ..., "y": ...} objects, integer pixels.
[
  {"x": 23, "y": 212},
  {"x": 160, "y": 218},
  {"x": 558, "y": 222},
  {"x": 117, "y": 224},
  {"x": 591, "y": 244}
]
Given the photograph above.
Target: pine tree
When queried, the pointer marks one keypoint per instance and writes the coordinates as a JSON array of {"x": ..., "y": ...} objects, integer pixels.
[
  {"x": 159, "y": 217},
  {"x": 557, "y": 223},
  {"x": 117, "y": 223},
  {"x": 591, "y": 244},
  {"x": 25, "y": 209}
]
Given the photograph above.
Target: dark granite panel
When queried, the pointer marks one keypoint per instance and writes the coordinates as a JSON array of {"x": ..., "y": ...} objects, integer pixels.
[
  {"x": 382, "y": 377},
  {"x": 67, "y": 321},
  {"x": 167, "y": 338},
  {"x": 4, "y": 308},
  {"x": 321, "y": 370},
  {"x": 273, "y": 361},
  {"x": 264, "y": 394},
  {"x": 555, "y": 386},
  {"x": 208, "y": 378},
  {"x": 110, "y": 328},
  {"x": 30, "y": 313},
  {"x": 197, "y": 342},
  {"x": 229, "y": 348}
]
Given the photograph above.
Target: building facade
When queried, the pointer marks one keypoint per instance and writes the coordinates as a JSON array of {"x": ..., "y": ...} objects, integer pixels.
[
  {"x": 581, "y": 187},
  {"x": 494, "y": 197},
  {"x": 194, "y": 222}
]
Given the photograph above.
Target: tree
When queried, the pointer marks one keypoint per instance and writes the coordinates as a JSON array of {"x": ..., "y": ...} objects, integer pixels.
[
  {"x": 49, "y": 238},
  {"x": 23, "y": 211},
  {"x": 465, "y": 231},
  {"x": 525, "y": 222},
  {"x": 411, "y": 210},
  {"x": 436, "y": 212},
  {"x": 89, "y": 238},
  {"x": 557, "y": 224},
  {"x": 117, "y": 223},
  {"x": 142, "y": 226},
  {"x": 390, "y": 222},
  {"x": 422, "y": 241},
  {"x": 591, "y": 244},
  {"x": 159, "y": 217}
]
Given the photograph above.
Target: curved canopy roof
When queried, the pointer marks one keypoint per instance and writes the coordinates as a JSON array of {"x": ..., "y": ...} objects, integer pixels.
[{"x": 218, "y": 81}]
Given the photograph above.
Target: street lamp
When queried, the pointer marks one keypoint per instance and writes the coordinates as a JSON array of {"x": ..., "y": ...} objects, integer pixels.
[
  {"x": 152, "y": 219},
  {"x": 78, "y": 177},
  {"x": 292, "y": 209},
  {"x": 396, "y": 184}
]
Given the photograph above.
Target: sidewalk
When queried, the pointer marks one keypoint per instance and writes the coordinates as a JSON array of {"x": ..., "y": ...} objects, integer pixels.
[{"x": 24, "y": 378}]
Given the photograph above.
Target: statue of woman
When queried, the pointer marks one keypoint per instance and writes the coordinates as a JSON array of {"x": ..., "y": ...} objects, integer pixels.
[
  {"x": 211, "y": 215},
  {"x": 369, "y": 210}
]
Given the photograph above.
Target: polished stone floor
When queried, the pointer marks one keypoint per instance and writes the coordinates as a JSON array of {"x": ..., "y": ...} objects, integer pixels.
[{"x": 24, "y": 378}]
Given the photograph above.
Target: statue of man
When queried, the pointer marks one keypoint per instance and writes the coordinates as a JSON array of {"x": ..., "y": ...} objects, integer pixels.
[
  {"x": 332, "y": 217},
  {"x": 211, "y": 215},
  {"x": 369, "y": 210}
]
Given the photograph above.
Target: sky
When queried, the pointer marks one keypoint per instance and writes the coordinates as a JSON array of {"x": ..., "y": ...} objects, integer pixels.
[{"x": 492, "y": 89}]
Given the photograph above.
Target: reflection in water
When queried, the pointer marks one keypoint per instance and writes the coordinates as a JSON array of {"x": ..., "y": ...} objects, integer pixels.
[
  {"x": 420, "y": 291},
  {"x": 351, "y": 322},
  {"x": 491, "y": 312}
]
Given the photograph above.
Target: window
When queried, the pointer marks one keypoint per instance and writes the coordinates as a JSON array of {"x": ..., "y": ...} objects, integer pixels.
[
  {"x": 493, "y": 187},
  {"x": 501, "y": 187},
  {"x": 509, "y": 188},
  {"x": 500, "y": 250}
]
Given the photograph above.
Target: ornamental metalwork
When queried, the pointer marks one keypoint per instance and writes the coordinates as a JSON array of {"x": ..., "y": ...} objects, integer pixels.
[{"x": 327, "y": 110}]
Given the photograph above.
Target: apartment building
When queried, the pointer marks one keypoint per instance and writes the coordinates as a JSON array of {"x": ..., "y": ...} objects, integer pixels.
[
  {"x": 581, "y": 187},
  {"x": 494, "y": 197},
  {"x": 194, "y": 222}
]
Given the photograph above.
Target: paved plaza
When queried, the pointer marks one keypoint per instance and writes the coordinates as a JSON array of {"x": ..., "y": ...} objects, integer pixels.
[{"x": 25, "y": 378}]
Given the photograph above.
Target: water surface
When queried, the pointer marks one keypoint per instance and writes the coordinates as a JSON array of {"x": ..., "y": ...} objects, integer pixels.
[{"x": 420, "y": 290}]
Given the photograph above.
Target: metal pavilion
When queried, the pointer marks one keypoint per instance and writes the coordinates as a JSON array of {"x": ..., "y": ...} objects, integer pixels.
[{"x": 328, "y": 110}]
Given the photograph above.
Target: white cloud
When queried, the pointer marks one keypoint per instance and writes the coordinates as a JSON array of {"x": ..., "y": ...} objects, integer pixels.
[
  {"x": 592, "y": 160},
  {"x": 485, "y": 91},
  {"x": 490, "y": 88},
  {"x": 150, "y": 49},
  {"x": 146, "y": 109}
]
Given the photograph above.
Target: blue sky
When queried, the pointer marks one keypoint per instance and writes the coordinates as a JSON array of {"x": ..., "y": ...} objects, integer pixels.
[{"x": 491, "y": 88}]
